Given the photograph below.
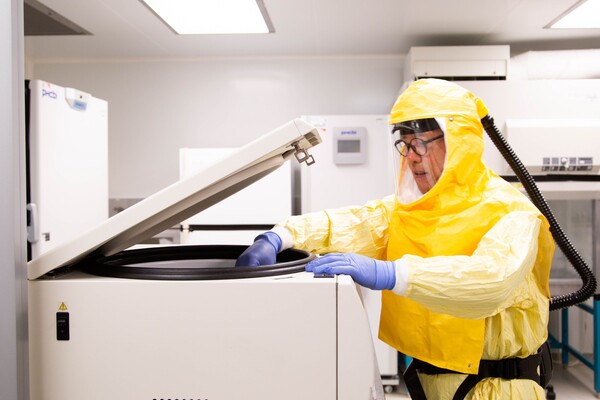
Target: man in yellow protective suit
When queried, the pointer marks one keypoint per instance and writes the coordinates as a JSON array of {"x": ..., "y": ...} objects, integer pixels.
[{"x": 462, "y": 257}]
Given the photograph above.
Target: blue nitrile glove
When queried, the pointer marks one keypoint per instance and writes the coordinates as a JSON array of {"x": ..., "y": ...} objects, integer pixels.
[
  {"x": 368, "y": 272},
  {"x": 262, "y": 252}
]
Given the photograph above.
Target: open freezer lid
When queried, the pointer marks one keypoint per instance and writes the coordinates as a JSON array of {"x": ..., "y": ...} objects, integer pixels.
[{"x": 186, "y": 197}]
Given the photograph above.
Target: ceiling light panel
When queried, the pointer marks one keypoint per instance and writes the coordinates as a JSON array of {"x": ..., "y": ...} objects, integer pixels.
[
  {"x": 193, "y": 17},
  {"x": 585, "y": 14}
]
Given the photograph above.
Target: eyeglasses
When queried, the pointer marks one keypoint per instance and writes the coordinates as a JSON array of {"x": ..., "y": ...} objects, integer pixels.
[{"x": 419, "y": 146}]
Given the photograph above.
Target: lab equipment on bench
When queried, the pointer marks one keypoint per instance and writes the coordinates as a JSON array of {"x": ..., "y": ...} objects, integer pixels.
[{"x": 182, "y": 321}]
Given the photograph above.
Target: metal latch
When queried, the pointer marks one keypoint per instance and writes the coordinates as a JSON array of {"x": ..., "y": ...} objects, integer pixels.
[{"x": 302, "y": 155}]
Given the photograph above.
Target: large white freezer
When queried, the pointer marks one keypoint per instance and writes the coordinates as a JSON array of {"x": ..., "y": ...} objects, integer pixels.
[
  {"x": 67, "y": 171},
  {"x": 180, "y": 322}
]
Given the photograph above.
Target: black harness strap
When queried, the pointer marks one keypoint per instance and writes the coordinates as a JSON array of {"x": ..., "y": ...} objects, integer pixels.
[
  {"x": 510, "y": 368},
  {"x": 413, "y": 384}
]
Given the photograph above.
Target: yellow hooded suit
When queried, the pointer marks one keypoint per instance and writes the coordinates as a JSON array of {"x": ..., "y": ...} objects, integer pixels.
[{"x": 478, "y": 254}]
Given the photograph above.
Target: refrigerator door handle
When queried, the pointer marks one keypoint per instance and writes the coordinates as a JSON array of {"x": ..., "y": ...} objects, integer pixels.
[
  {"x": 77, "y": 99},
  {"x": 33, "y": 234}
]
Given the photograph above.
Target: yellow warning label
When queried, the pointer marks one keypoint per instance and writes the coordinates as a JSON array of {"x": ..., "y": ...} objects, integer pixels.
[{"x": 62, "y": 307}]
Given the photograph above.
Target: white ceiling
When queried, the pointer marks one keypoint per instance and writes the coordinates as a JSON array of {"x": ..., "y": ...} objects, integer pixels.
[{"x": 128, "y": 29}]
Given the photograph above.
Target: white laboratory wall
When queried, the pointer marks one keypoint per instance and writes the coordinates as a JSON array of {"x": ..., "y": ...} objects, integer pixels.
[{"x": 158, "y": 107}]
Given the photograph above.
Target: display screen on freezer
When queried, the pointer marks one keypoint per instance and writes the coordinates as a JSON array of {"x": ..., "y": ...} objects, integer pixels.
[{"x": 349, "y": 146}]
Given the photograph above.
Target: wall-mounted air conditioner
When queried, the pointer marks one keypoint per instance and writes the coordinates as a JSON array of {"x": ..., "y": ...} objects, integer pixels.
[{"x": 457, "y": 62}]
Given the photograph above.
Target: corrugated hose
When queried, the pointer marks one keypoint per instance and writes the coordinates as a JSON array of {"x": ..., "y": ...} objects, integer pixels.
[{"x": 588, "y": 287}]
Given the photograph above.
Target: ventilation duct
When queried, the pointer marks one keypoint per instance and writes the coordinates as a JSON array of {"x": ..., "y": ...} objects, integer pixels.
[{"x": 43, "y": 21}]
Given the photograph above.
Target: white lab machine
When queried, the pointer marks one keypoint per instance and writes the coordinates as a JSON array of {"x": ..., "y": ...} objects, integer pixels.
[
  {"x": 67, "y": 141},
  {"x": 352, "y": 174},
  {"x": 556, "y": 146},
  {"x": 180, "y": 322}
]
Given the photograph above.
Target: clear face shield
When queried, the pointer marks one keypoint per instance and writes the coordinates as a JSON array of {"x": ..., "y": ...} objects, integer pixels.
[{"x": 420, "y": 156}]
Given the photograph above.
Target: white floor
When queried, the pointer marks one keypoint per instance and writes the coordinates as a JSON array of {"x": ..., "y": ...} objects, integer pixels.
[{"x": 575, "y": 382}]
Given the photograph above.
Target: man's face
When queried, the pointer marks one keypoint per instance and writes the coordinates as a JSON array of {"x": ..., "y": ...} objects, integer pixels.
[{"x": 428, "y": 168}]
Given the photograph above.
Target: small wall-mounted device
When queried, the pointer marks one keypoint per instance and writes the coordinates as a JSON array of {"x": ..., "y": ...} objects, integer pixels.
[{"x": 350, "y": 145}]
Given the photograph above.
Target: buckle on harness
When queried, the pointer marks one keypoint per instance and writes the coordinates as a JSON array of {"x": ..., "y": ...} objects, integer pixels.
[{"x": 508, "y": 370}]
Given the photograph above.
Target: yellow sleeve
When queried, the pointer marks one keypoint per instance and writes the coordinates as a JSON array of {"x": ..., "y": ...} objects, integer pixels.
[
  {"x": 481, "y": 285},
  {"x": 356, "y": 229}
]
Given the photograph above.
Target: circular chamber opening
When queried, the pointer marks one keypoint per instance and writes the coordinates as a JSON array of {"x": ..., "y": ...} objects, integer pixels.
[{"x": 200, "y": 262}]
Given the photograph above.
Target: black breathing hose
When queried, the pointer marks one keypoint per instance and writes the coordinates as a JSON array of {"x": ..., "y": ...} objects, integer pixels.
[{"x": 589, "y": 281}]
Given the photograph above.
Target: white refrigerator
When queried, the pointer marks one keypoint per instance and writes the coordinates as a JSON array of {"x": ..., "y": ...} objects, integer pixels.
[
  {"x": 67, "y": 164},
  {"x": 353, "y": 165}
]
